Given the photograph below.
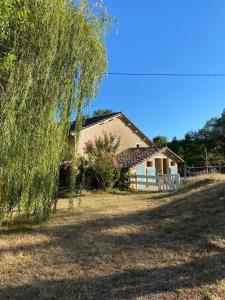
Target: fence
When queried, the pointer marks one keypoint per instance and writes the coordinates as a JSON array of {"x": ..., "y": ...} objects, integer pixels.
[
  {"x": 195, "y": 171},
  {"x": 162, "y": 182}
]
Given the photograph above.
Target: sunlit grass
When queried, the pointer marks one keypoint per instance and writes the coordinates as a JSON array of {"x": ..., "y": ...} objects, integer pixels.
[{"x": 122, "y": 246}]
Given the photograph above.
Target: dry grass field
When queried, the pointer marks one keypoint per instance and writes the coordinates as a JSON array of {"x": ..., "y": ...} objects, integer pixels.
[{"x": 122, "y": 246}]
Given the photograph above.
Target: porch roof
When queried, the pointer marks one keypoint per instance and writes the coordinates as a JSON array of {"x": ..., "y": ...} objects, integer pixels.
[{"x": 133, "y": 156}]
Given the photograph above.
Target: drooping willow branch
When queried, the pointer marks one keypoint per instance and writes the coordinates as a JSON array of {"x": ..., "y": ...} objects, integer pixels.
[{"x": 60, "y": 60}]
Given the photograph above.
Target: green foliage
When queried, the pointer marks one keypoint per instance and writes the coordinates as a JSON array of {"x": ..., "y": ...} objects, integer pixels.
[
  {"x": 102, "y": 112},
  {"x": 13, "y": 13},
  {"x": 210, "y": 139},
  {"x": 124, "y": 180},
  {"x": 99, "y": 169},
  {"x": 160, "y": 141},
  {"x": 58, "y": 59}
]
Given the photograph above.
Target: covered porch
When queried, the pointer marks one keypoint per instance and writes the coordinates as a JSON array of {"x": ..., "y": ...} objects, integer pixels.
[{"x": 153, "y": 169}]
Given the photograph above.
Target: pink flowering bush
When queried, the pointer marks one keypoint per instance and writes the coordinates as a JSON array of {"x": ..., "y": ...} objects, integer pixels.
[
  {"x": 89, "y": 145},
  {"x": 115, "y": 162},
  {"x": 100, "y": 163}
]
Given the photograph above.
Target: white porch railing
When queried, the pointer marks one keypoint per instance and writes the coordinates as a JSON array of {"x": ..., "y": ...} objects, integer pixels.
[
  {"x": 169, "y": 182},
  {"x": 164, "y": 182}
]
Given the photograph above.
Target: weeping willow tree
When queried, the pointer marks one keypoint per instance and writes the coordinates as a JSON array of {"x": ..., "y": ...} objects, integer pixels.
[{"x": 52, "y": 61}]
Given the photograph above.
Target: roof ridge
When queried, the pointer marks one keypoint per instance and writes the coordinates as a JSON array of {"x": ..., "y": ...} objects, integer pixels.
[
  {"x": 104, "y": 116},
  {"x": 93, "y": 120},
  {"x": 153, "y": 145}
]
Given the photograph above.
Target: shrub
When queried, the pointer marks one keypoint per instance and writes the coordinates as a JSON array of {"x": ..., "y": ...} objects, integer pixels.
[
  {"x": 124, "y": 180},
  {"x": 99, "y": 168}
]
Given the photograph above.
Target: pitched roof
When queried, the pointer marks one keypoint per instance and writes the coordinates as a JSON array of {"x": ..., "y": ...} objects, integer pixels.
[
  {"x": 133, "y": 156},
  {"x": 173, "y": 154},
  {"x": 94, "y": 120}
]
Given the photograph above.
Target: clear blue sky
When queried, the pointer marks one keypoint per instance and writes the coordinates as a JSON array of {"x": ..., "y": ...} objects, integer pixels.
[{"x": 166, "y": 36}]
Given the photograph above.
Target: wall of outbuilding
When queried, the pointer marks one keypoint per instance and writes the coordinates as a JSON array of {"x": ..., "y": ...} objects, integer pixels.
[{"x": 133, "y": 170}]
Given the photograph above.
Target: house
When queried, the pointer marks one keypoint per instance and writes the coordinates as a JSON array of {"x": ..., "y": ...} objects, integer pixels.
[{"x": 136, "y": 153}]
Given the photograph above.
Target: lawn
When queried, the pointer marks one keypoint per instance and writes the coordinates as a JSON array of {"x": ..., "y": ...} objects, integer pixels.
[{"x": 121, "y": 246}]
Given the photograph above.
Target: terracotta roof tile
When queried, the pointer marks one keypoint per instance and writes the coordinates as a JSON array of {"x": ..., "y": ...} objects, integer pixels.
[{"x": 133, "y": 156}]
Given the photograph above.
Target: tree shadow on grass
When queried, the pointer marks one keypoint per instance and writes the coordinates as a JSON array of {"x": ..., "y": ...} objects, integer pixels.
[
  {"x": 186, "y": 224},
  {"x": 128, "y": 284}
]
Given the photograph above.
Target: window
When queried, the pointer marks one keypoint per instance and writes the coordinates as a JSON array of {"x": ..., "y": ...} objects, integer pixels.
[
  {"x": 115, "y": 141},
  {"x": 138, "y": 145},
  {"x": 149, "y": 164},
  {"x": 172, "y": 163}
]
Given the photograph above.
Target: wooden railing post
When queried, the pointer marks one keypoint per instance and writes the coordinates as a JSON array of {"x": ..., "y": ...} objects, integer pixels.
[{"x": 136, "y": 182}]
